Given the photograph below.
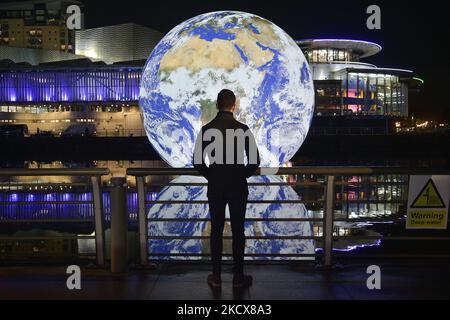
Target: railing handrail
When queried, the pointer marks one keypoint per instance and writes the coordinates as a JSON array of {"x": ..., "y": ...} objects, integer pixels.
[
  {"x": 328, "y": 219},
  {"x": 55, "y": 172},
  {"x": 326, "y": 170},
  {"x": 330, "y": 173}
]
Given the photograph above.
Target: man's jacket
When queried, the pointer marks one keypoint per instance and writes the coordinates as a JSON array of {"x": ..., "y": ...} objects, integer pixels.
[{"x": 232, "y": 154}]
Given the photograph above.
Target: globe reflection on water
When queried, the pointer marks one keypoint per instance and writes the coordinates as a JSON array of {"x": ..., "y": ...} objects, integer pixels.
[{"x": 252, "y": 228}]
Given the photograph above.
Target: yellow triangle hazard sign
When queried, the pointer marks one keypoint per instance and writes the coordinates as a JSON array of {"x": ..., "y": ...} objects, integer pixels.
[{"x": 428, "y": 197}]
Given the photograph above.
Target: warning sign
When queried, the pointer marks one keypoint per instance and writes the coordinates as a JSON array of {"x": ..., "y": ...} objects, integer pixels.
[
  {"x": 428, "y": 197},
  {"x": 428, "y": 200}
]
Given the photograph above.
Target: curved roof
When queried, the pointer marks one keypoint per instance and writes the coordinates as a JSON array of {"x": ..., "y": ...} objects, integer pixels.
[{"x": 364, "y": 48}]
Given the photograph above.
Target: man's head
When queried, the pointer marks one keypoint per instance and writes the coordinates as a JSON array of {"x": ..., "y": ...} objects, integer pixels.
[{"x": 226, "y": 100}]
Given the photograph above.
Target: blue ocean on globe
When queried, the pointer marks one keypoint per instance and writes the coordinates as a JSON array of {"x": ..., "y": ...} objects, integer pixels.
[{"x": 271, "y": 79}]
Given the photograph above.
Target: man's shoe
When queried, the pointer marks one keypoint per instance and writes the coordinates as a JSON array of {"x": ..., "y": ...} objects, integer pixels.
[
  {"x": 242, "y": 281},
  {"x": 214, "y": 281}
]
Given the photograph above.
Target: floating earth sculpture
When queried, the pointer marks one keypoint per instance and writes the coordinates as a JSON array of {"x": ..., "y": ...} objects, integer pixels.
[
  {"x": 234, "y": 50},
  {"x": 180, "y": 82}
]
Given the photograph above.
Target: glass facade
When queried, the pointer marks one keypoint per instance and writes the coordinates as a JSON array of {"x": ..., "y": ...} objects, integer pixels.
[
  {"x": 344, "y": 86},
  {"x": 357, "y": 196},
  {"x": 327, "y": 55},
  {"x": 50, "y": 100},
  {"x": 361, "y": 93},
  {"x": 373, "y": 94},
  {"x": 328, "y": 97},
  {"x": 72, "y": 85},
  {"x": 371, "y": 196}
]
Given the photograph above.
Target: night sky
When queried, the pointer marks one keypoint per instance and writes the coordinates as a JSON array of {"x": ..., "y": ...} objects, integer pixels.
[{"x": 413, "y": 35}]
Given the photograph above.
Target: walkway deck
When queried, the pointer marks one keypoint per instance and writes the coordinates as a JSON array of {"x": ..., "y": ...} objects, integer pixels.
[{"x": 402, "y": 280}]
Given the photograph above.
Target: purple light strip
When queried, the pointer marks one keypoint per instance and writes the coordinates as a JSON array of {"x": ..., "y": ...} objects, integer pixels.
[
  {"x": 70, "y": 86},
  {"x": 343, "y": 40}
]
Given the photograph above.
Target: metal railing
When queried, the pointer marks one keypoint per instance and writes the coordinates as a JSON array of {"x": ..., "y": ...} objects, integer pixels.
[
  {"x": 372, "y": 131},
  {"x": 329, "y": 201},
  {"x": 331, "y": 181},
  {"x": 139, "y": 132},
  {"x": 96, "y": 202},
  {"x": 120, "y": 133},
  {"x": 333, "y": 131}
]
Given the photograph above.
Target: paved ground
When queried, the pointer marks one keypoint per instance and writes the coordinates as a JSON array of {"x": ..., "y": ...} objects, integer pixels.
[{"x": 403, "y": 280}]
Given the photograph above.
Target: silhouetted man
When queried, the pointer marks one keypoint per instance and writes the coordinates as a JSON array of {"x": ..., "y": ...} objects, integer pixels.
[{"x": 233, "y": 157}]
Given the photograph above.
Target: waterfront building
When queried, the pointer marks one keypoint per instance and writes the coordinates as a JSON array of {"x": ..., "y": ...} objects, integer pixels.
[
  {"x": 353, "y": 96},
  {"x": 37, "y": 24},
  {"x": 52, "y": 96},
  {"x": 349, "y": 93},
  {"x": 131, "y": 42}
]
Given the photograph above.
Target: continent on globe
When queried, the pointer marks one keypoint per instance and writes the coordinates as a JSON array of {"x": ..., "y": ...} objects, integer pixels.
[{"x": 242, "y": 52}]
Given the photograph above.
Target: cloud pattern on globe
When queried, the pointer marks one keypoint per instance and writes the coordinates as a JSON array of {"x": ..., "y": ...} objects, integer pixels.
[{"x": 239, "y": 51}]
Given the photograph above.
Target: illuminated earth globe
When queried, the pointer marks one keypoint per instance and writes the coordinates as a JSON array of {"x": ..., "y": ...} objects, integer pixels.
[
  {"x": 235, "y": 50},
  {"x": 272, "y": 81}
]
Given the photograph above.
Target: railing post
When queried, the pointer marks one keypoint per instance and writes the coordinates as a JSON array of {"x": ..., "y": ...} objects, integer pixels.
[
  {"x": 328, "y": 222},
  {"x": 140, "y": 182},
  {"x": 98, "y": 220},
  {"x": 119, "y": 225}
]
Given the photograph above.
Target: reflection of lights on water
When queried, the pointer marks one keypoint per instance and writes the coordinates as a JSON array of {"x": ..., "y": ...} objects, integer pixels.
[
  {"x": 369, "y": 214},
  {"x": 371, "y": 223},
  {"x": 49, "y": 197},
  {"x": 354, "y": 247}
]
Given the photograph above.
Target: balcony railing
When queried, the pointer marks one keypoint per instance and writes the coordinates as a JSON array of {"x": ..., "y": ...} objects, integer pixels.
[
  {"x": 93, "y": 203},
  {"x": 328, "y": 193},
  {"x": 327, "y": 201}
]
